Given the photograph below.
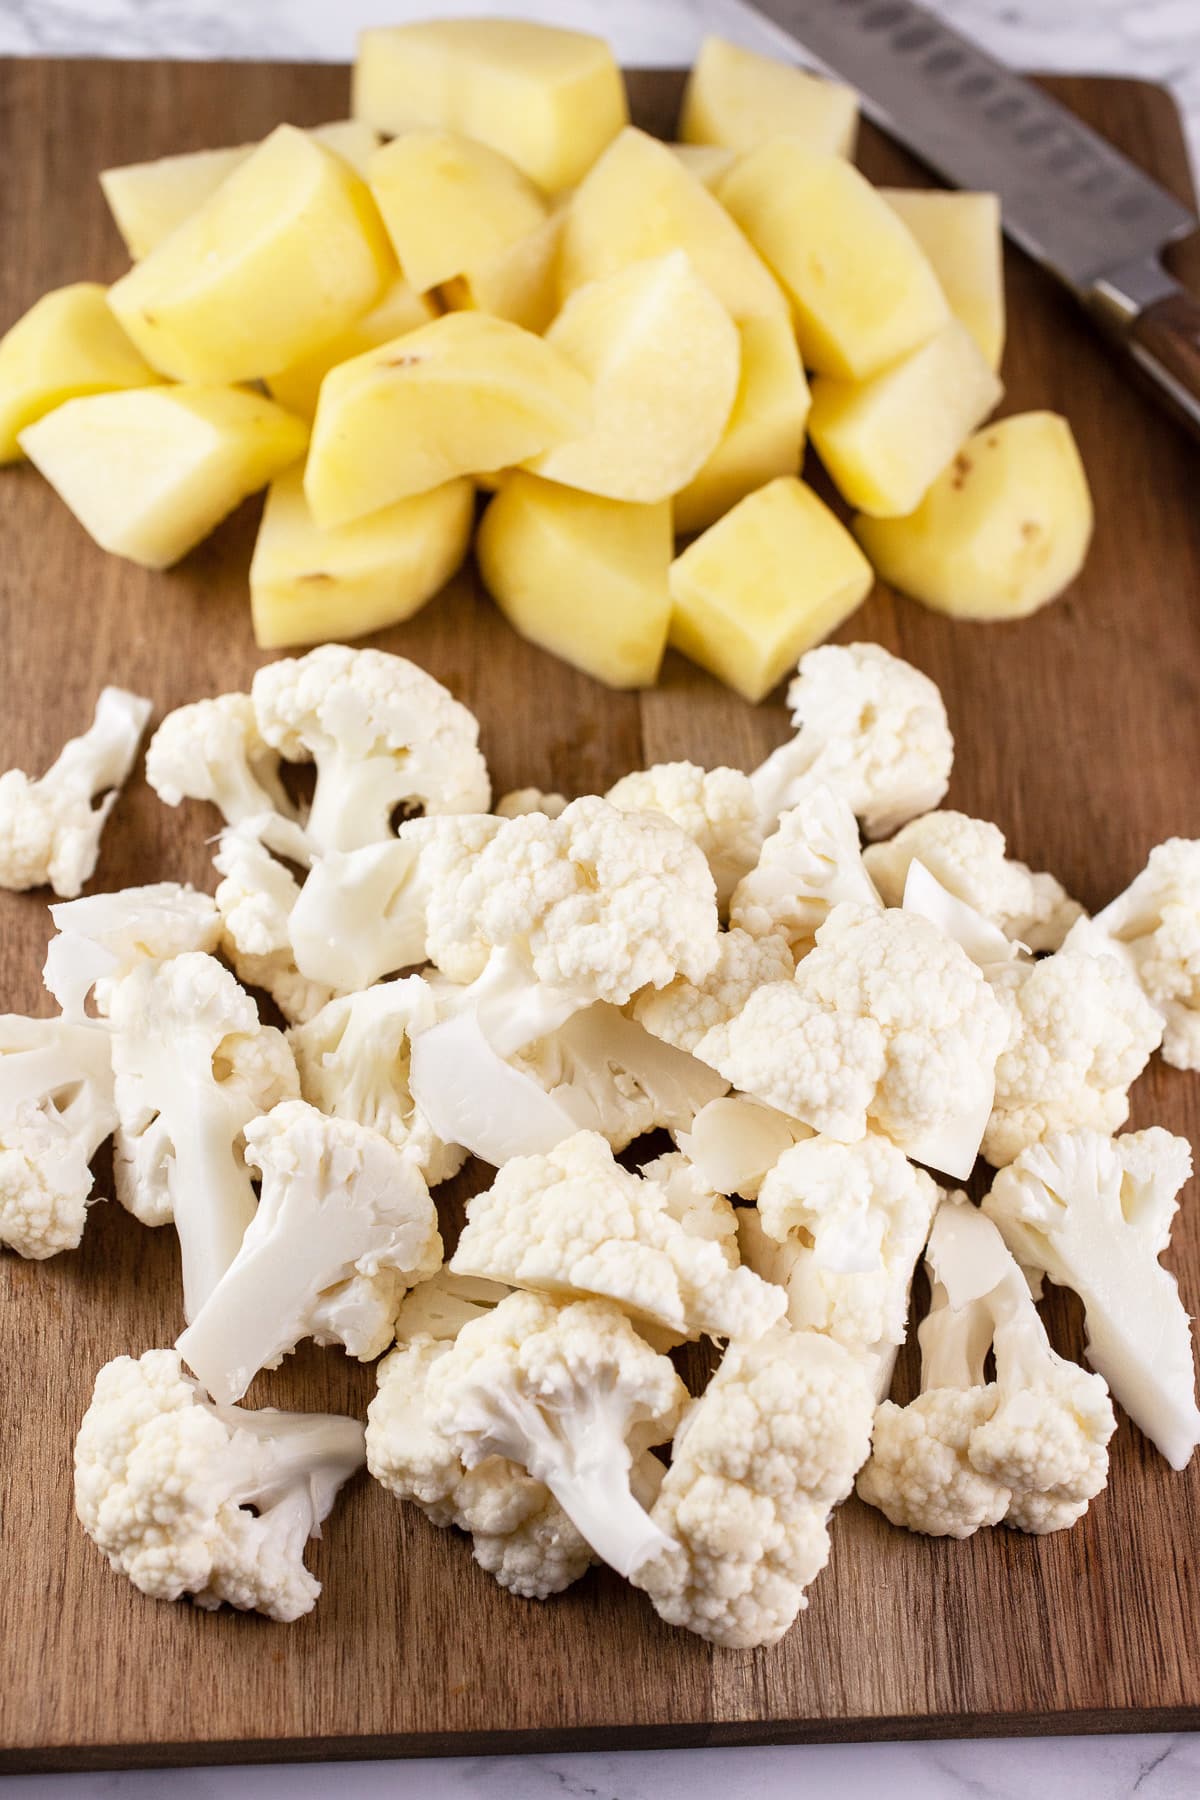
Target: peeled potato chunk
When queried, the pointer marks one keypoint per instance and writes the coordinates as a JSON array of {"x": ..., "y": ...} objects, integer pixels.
[
  {"x": 962, "y": 237},
  {"x": 885, "y": 439},
  {"x": 639, "y": 201},
  {"x": 150, "y": 472},
  {"x": 765, "y": 583},
  {"x": 737, "y": 98},
  {"x": 463, "y": 394},
  {"x": 308, "y": 586},
  {"x": 861, "y": 287},
  {"x": 286, "y": 253},
  {"x": 449, "y": 203},
  {"x": 548, "y": 99},
  {"x": 519, "y": 282},
  {"x": 583, "y": 577},
  {"x": 68, "y": 343},
  {"x": 149, "y": 199},
  {"x": 663, "y": 357},
  {"x": 1002, "y": 531},
  {"x": 765, "y": 433},
  {"x": 401, "y": 309}
]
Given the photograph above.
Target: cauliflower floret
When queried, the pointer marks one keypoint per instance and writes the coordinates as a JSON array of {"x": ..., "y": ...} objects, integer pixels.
[
  {"x": 809, "y": 864},
  {"x": 872, "y": 728},
  {"x": 968, "y": 857},
  {"x": 51, "y": 825},
  {"x": 56, "y": 1109},
  {"x": 1080, "y": 1032},
  {"x": 701, "y": 1211},
  {"x": 684, "y": 1010},
  {"x": 185, "y": 1497},
  {"x": 716, "y": 807},
  {"x": 383, "y": 734},
  {"x": 759, "y": 1464},
  {"x": 344, "y": 1228},
  {"x": 213, "y": 750},
  {"x": 575, "y": 1223},
  {"x": 524, "y": 800},
  {"x": 255, "y": 901},
  {"x": 101, "y": 939}
]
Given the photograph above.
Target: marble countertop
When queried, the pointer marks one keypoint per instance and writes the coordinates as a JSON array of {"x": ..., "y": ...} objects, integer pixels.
[{"x": 1157, "y": 39}]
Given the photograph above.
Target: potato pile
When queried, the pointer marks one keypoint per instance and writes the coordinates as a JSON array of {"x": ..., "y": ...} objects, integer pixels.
[{"x": 611, "y": 336}]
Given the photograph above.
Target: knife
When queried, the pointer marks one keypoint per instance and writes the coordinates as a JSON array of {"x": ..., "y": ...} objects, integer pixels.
[{"x": 1067, "y": 197}]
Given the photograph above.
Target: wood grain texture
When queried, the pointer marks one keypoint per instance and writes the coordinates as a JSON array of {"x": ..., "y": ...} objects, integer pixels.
[{"x": 1077, "y": 731}]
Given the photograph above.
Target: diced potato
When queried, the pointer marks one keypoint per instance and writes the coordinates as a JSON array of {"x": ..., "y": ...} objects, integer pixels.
[
  {"x": 962, "y": 237},
  {"x": 862, "y": 288},
  {"x": 583, "y": 577},
  {"x": 519, "y": 283},
  {"x": 149, "y": 199},
  {"x": 148, "y": 473},
  {"x": 450, "y": 203},
  {"x": 1002, "y": 531},
  {"x": 765, "y": 433},
  {"x": 548, "y": 99},
  {"x": 885, "y": 439},
  {"x": 707, "y": 162},
  {"x": 287, "y": 253},
  {"x": 308, "y": 586},
  {"x": 400, "y": 310},
  {"x": 639, "y": 201},
  {"x": 768, "y": 581},
  {"x": 463, "y": 394},
  {"x": 68, "y": 343},
  {"x": 663, "y": 356},
  {"x": 738, "y": 99}
]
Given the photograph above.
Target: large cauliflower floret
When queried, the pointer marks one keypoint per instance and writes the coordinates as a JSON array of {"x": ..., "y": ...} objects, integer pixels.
[
  {"x": 871, "y": 727},
  {"x": 886, "y": 1019},
  {"x": 213, "y": 750},
  {"x": 1154, "y": 928},
  {"x": 1080, "y": 1032},
  {"x": 51, "y": 825},
  {"x": 255, "y": 900},
  {"x": 99, "y": 940},
  {"x": 383, "y": 734},
  {"x": 968, "y": 857},
  {"x": 574, "y": 1223},
  {"x": 344, "y": 1228},
  {"x": 716, "y": 807},
  {"x": 684, "y": 1010},
  {"x": 56, "y": 1109},
  {"x": 761, "y": 1461},
  {"x": 808, "y": 865},
  {"x": 185, "y": 1497}
]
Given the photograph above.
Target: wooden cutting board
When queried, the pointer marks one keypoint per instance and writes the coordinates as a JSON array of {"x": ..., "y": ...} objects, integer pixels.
[{"x": 1077, "y": 731}]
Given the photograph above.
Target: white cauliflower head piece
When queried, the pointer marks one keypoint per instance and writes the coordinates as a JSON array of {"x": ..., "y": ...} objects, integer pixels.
[
  {"x": 212, "y": 750},
  {"x": 255, "y": 900},
  {"x": 716, "y": 807},
  {"x": 56, "y": 1109},
  {"x": 810, "y": 863},
  {"x": 684, "y": 1010},
  {"x": 101, "y": 939}
]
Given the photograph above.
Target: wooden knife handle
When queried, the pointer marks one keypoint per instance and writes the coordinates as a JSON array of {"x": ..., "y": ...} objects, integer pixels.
[{"x": 1165, "y": 339}]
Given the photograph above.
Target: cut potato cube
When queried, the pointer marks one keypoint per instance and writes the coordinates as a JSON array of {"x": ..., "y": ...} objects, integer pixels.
[
  {"x": 1002, "y": 531},
  {"x": 884, "y": 440},
  {"x": 463, "y": 394},
  {"x": 400, "y": 310},
  {"x": 583, "y": 577},
  {"x": 309, "y": 586},
  {"x": 768, "y": 581},
  {"x": 737, "y": 98},
  {"x": 149, "y": 199},
  {"x": 765, "y": 433},
  {"x": 962, "y": 237},
  {"x": 149, "y": 473},
  {"x": 519, "y": 283},
  {"x": 450, "y": 203},
  {"x": 287, "y": 253},
  {"x": 68, "y": 343},
  {"x": 663, "y": 357},
  {"x": 548, "y": 99},
  {"x": 707, "y": 162},
  {"x": 639, "y": 202},
  {"x": 862, "y": 289}
]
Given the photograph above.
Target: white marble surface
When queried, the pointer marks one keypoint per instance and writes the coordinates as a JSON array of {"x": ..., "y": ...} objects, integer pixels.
[{"x": 1159, "y": 39}]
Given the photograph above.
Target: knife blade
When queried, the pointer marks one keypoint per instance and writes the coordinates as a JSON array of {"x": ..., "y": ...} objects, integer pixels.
[{"x": 1067, "y": 197}]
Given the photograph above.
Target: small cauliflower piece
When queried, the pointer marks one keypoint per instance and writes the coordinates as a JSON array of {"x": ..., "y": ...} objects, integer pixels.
[
  {"x": 761, "y": 1461},
  {"x": 344, "y": 1228},
  {"x": 185, "y": 1497},
  {"x": 383, "y": 734},
  {"x": 1080, "y": 1032},
  {"x": 51, "y": 825},
  {"x": 733, "y": 1142},
  {"x": 1094, "y": 1214},
  {"x": 213, "y": 750},
  {"x": 809, "y": 863},
  {"x": 869, "y": 726},
  {"x": 574, "y": 1224},
  {"x": 255, "y": 901},
  {"x": 520, "y": 801},
  {"x": 716, "y": 807},
  {"x": 56, "y": 1109},
  {"x": 100, "y": 939},
  {"x": 684, "y": 1010},
  {"x": 1154, "y": 929},
  {"x": 968, "y": 857},
  {"x": 692, "y": 1203}
]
